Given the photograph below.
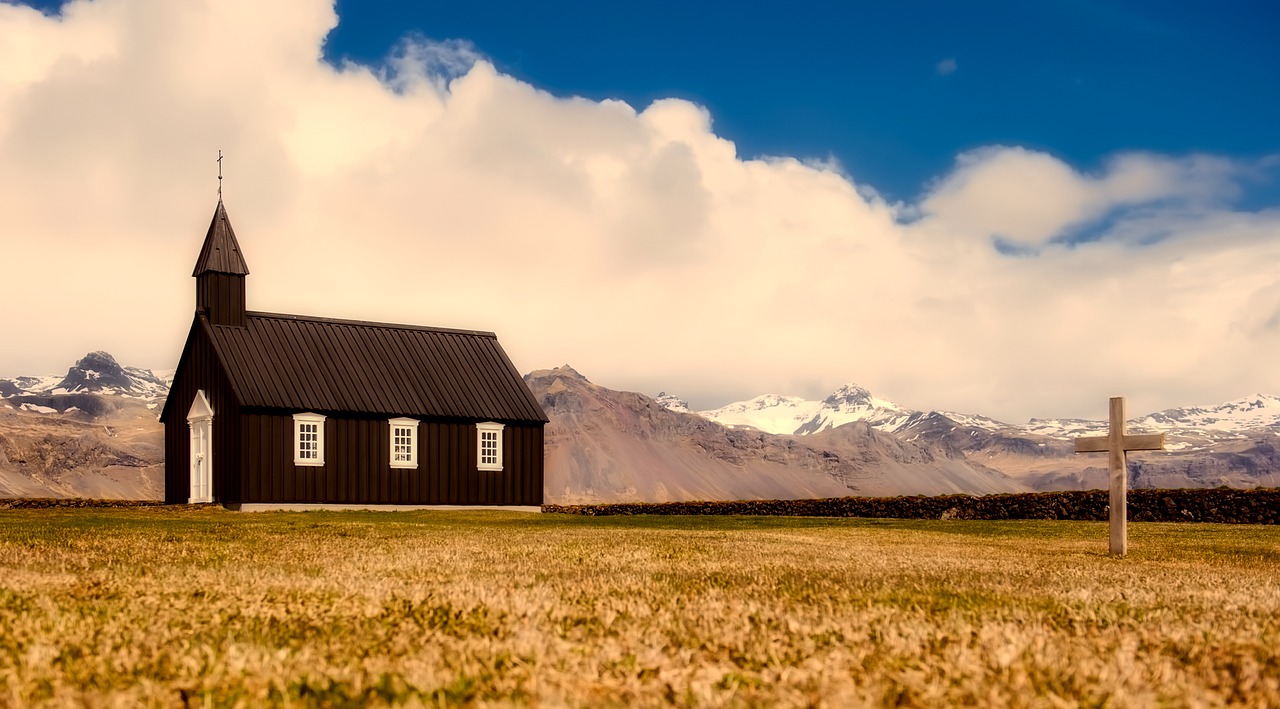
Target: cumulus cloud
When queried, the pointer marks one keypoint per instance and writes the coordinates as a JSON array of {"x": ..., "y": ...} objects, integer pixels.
[
  {"x": 632, "y": 242},
  {"x": 1030, "y": 198}
]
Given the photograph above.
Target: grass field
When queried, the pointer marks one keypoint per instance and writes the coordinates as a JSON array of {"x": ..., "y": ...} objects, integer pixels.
[{"x": 120, "y": 607}]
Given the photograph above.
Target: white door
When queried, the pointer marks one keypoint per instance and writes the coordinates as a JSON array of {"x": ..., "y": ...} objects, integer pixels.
[
  {"x": 200, "y": 420},
  {"x": 201, "y": 480}
]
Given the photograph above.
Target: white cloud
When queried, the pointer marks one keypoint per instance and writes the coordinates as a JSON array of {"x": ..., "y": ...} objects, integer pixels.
[
  {"x": 947, "y": 66},
  {"x": 1029, "y": 198},
  {"x": 634, "y": 244}
]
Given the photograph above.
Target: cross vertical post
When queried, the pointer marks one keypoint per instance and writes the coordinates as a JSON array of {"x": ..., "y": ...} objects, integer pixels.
[
  {"x": 1116, "y": 443},
  {"x": 1119, "y": 465}
]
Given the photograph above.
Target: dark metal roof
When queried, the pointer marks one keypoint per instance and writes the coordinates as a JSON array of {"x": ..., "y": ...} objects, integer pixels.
[
  {"x": 326, "y": 365},
  {"x": 221, "y": 252}
]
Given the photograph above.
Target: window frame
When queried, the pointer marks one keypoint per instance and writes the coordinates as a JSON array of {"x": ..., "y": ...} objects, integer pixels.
[
  {"x": 412, "y": 426},
  {"x": 304, "y": 419},
  {"x": 481, "y": 429}
]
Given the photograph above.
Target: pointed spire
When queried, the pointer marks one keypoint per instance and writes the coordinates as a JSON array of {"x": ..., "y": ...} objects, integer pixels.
[{"x": 221, "y": 252}]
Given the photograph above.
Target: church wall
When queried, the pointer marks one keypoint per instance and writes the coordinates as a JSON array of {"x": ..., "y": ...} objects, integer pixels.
[
  {"x": 199, "y": 370},
  {"x": 357, "y": 465}
]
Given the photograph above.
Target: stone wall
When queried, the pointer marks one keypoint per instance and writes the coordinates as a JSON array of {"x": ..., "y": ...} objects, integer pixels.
[
  {"x": 1258, "y": 506},
  {"x": 28, "y": 503}
]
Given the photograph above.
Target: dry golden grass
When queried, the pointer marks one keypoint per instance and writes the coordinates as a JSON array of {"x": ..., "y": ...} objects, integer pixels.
[{"x": 157, "y": 606}]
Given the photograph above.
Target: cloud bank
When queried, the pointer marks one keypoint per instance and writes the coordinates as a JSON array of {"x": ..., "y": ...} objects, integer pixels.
[{"x": 635, "y": 244}]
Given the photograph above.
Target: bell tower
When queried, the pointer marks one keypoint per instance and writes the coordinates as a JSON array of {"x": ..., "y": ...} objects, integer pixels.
[{"x": 220, "y": 273}]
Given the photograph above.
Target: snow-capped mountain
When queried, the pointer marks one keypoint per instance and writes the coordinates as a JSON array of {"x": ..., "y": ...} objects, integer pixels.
[
  {"x": 985, "y": 423},
  {"x": 773, "y": 413},
  {"x": 1257, "y": 411},
  {"x": 607, "y": 445},
  {"x": 1189, "y": 427},
  {"x": 95, "y": 373},
  {"x": 1232, "y": 417},
  {"x": 1064, "y": 428},
  {"x": 852, "y": 403}
]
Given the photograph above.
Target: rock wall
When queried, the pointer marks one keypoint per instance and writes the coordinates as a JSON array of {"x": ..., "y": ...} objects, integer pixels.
[
  {"x": 39, "y": 503},
  {"x": 1257, "y": 506}
]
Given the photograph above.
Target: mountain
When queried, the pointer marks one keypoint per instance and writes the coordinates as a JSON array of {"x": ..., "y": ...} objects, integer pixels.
[
  {"x": 89, "y": 433},
  {"x": 1251, "y": 412},
  {"x": 1206, "y": 446},
  {"x": 671, "y": 403},
  {"x": 771, "y": 413},
  {"x": 109, "y": 447},
  {"x": 606, "y": 445},
  {"x": 95, "y": 373},
  {"x": 92, "y": 432},
  {"x": 1245, "y": 414},
  {"x": 1196, "y": 426},
  {"x": 852, "y": 403},
  {"x": 774, "y": 413}
]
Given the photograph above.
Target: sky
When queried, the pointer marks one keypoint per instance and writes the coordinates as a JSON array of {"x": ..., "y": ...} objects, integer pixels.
[{"x": 1015, "y": 209}]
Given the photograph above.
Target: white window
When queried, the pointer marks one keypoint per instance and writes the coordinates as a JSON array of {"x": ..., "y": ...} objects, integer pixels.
[
  {"x": 404, "y": 443},
  {"x": 489, "y": 446},
  {"x": 308, "y": 439}
]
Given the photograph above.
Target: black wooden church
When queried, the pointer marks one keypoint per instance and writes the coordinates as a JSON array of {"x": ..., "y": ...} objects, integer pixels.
[{"x": 288, "y": 409}]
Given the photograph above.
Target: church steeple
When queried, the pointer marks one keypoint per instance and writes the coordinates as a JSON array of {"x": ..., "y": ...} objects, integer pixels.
[{"x": 220, "y": 273}]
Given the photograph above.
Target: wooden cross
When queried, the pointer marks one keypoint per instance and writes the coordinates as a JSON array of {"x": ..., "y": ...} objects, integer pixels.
[{"x": 1116, "y": 443}]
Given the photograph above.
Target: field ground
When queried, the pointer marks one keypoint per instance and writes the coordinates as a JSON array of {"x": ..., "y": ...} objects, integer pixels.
[{"x": 161, "y": 606}]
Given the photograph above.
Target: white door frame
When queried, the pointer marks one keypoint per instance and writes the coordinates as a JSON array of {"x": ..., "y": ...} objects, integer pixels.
[{"x": 200, "y": 422}]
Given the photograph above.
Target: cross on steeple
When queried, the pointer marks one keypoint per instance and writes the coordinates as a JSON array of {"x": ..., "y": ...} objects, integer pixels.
[{"x": 219, "y": 175}]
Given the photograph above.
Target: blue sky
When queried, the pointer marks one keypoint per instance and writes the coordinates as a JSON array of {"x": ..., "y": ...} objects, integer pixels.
[
  {"x": 866, "y": 82},
  {"x": 1010, "y": 208}
]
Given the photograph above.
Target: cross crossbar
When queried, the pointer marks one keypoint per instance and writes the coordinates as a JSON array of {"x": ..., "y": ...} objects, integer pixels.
[{"x": 1102, "y": 444}]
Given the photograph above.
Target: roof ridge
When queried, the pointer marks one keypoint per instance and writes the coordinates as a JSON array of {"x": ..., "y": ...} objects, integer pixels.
[{"x": 370, "y": 323}]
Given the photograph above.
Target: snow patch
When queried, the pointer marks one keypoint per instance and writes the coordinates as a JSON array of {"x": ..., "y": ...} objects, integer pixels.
[
  {"x": 36, "y": 408},
  {"x": 672, "y": 403},
  {"x": 771, "y": 413}
]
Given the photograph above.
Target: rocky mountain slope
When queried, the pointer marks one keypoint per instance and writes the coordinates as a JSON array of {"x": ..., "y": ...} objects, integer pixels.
[
  {"x": 97, "y": 446},
  {"x": 89, "y": 433},
  {"x": 606, "y": 445}
]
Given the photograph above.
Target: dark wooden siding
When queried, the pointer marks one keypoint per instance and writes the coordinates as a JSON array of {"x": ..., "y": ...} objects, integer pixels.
[
  {"x": 199, "y": 370},
  {"x": 357, "y": 466},
  {"x": 220, "y": 296}
]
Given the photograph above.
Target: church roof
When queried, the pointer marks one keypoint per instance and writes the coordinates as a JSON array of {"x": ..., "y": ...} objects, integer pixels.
[
  {"x": 324, "y": 365},
  {"x": 221, "y": 252}
]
